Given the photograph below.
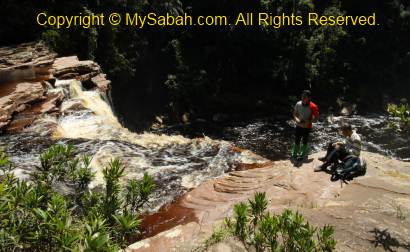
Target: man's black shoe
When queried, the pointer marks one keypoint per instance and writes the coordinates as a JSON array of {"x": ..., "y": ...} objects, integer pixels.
[{"x": 323, "y": 159}]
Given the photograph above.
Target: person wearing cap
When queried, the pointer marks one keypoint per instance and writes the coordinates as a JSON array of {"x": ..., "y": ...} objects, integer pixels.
[
  {"x": 352, "y": 145},
  {"x": 304, "y": 113}
]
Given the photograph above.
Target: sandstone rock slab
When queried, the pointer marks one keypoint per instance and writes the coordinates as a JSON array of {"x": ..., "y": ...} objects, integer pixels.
[
  {"x": 25, "y": 62},
  {"x": 16, "y": 96},
  {"x": 372, "y": 213}
]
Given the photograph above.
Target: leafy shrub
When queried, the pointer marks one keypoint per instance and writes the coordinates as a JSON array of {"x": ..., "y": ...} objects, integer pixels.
[
  {"x": 401, "y": 111},
  {"x": 263, "y": 231},
  {"x": 35, "y": 216}
]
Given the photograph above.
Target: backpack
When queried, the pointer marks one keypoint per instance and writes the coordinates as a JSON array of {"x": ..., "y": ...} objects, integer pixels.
[{"x": 350, "y": 168}]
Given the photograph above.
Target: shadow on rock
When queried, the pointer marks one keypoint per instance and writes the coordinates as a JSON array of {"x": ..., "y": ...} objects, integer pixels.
[
  {"x": 387, "y": 241},
  {"x": 298, "y": 163}
]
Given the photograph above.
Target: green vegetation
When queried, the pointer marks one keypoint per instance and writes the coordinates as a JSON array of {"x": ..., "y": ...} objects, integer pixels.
[
  {"x": 263, "y": 231},
  {"x": 400, "y": 212},
  {"x": 55, "y": 210},
  {"x": 401, "y": 111},
  {"x": 227, "y": 69}
]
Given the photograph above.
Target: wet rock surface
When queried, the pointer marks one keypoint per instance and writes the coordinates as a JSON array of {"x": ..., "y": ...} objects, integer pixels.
[
  {"x": 372, "y": 213},
  {"x": 25, "y": 62},
  {"x": 27, "y": 74}
]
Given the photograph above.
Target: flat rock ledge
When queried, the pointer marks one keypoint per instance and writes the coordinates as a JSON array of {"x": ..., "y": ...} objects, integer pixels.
[
  {"x": 372, "y": 213},
  {"x": 28, "y": 73}
]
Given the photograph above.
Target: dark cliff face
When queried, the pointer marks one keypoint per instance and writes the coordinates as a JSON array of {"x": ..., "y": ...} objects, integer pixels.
[{"x": 137, "y": 100}]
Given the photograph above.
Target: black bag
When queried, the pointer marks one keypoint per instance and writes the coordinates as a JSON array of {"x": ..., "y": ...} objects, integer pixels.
[{"x": 350, "y": 168}]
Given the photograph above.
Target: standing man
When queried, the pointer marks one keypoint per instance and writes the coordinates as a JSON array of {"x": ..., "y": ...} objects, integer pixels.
[{"x": 304, "y": 113}]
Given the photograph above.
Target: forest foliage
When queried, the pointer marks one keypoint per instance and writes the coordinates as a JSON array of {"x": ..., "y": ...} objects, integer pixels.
[{"x": 202, "y": 71}]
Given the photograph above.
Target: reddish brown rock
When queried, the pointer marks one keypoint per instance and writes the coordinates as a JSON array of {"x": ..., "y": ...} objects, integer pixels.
[
  {"x": 15, "y": 97},
  {"x": 20, "y": 122},
  {"x": 29, "y": 114},
  {"x": 84, "y": 71},
  {"x": 372, "y": 213},
  {"x": 72, "y": 65},
  {"x": 22, "y": 70},
  {"x": 48, "y": 105},
  {"x": 25, "y": 62},
  {"x": 101, "y": 82}
]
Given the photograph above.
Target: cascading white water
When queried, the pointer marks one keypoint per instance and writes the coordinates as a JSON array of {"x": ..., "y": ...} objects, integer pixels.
[
  {"x": 177, "y": 163},
  {"x": 100, "y": 123}
]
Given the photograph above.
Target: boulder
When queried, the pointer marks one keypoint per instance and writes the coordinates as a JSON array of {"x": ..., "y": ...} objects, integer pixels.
[
  {"x": 72, "y": 68},
  {"x": 86, "y": 71},
  {"x": 101, "y": 82},
  {"x": 70, "y": 106},
  {"x": 16, "y": 97}
]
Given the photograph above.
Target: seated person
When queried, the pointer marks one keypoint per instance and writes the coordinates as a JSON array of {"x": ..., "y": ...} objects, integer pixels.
[{"x": 340, "y": 150}]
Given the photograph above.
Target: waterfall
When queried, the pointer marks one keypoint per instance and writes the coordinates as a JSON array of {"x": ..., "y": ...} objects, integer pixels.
[
  {"x": 176, "y": 163},
  {"x": 98, "y": 122}
]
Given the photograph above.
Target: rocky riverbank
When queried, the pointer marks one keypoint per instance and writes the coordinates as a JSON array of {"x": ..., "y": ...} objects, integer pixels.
[
  {"x": 372, "y": 213},
  {"x": 28, "y": 75}
]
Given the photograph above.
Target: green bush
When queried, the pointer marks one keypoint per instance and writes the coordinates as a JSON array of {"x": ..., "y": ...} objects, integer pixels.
[
  {"x": 258, "y": 229},
  {"x": 401, "y": 111},
  {"x": 36, "y": 216}
]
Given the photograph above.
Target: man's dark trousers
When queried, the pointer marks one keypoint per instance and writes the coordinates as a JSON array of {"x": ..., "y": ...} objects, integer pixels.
[
  {"x": 333, "y": 155},
  {"x": 302, "y": 134}
]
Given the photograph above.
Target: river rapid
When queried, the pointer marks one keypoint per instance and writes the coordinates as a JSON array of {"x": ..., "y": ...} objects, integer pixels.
[
  {"x": 87, "y": 122},
  {"x": 273, "y": 137}
]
